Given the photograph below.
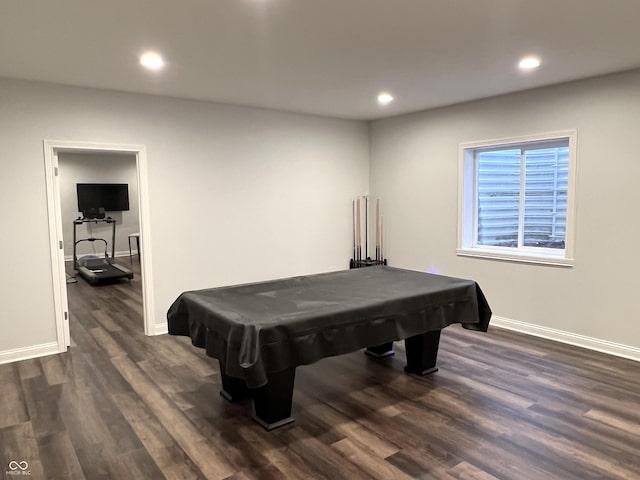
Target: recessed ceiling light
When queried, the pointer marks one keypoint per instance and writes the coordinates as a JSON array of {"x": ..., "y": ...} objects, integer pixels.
[
  {"x": 529, "y": 63},
  {"x": 385, "y": 98},
  {"x": 152, "y": 61}
]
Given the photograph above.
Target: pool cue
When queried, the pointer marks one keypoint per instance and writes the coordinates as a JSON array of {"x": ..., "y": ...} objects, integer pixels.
[
  {"x": 358, "y": 235},
  {"x": 353, "y": 217},
  {"x": 366, "y": 226},
  {"x": 382, "y": 238},
  {"x": 377, "y": 228}
]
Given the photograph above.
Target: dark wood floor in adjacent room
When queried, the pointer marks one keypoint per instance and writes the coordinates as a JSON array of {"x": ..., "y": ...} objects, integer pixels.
[{"x": 503, "y": 405}]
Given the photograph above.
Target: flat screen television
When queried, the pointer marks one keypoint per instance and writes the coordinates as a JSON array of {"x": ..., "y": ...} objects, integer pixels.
[{"x": 111, "y": 197}]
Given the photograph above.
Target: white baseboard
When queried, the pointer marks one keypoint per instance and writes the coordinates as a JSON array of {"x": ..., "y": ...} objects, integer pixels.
[
  {"x": 26, "y": 353},
  {"x": 596, "y": 344},
  {"x": 590, "y": 343},
  {"x": 160, "y": 329}
]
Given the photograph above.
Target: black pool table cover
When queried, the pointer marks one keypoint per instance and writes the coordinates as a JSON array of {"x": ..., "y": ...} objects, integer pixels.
[{"x": 259, "y": 328}]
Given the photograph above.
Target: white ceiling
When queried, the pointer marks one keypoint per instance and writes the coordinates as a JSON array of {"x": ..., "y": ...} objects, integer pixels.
[{"x": 327, "y": 57}]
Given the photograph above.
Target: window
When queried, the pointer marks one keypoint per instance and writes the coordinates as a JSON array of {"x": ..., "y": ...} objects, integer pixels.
[{"x": 516, "y": 198}]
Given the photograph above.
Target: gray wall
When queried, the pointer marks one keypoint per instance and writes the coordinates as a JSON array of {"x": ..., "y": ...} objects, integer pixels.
[
  {"x": 240, "y": 194},
  {"x": 235, "y": 194},
  {"x": 414, "y": 169},
  {"x": 97, "y": 168}
]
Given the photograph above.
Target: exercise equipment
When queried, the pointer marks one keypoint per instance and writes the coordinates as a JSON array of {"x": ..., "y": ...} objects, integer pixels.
[{"x": 93, "y": 269}]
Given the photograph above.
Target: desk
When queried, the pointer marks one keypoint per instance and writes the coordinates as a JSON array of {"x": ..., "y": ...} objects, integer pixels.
[
  {"x": 260, "y": 332},
  {"x": 137, "y": 238}
]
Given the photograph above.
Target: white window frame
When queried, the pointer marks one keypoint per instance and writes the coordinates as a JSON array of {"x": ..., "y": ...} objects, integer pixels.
[{"x": 467, "y": 204}]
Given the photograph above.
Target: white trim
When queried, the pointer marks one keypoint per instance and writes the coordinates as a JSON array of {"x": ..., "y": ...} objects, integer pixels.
[
  {"x": 145, "y": 240},
  {"x": 570, "y": 232},
  {"x": 161, "y": 328},
  {"x": 515, "y": 257},
  {"x": 58, "y": 277},
  {"x": 26, "y": 353},
  {"x": 51, "y": 150},
  {"x": 535, "y": 137},
  {"x": 604, "y": 346}
]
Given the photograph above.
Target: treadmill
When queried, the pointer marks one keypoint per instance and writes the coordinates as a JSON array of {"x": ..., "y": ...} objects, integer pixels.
[{"x": 93, "y": 269}]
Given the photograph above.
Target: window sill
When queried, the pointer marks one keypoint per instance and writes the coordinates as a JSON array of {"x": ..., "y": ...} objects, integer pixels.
[{"x": 519, "y": 257}]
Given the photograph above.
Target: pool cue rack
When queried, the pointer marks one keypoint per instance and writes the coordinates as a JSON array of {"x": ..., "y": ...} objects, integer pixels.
[
  {"x": 367, "y": 262},
  {"x": 361, "y": 218}
]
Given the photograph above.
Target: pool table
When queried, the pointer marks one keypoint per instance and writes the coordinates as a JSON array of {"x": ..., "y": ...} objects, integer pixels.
[{"x": 260, "y": 332}]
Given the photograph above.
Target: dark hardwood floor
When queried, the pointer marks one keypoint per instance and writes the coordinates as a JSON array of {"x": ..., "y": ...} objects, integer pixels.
[{"x": 503, "y": 405}]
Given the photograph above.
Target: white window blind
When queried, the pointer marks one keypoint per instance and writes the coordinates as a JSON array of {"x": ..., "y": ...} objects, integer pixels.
[{"x": 522, "y": 197}]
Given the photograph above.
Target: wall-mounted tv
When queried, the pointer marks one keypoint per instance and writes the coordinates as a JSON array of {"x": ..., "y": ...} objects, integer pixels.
[{"x": 111, "y": 197}]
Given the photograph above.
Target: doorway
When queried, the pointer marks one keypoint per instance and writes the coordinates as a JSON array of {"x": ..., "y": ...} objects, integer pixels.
[{"x": 56, "y": 151}]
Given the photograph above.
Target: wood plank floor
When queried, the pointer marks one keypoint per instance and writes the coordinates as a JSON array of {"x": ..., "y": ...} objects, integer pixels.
[{"x": 502, "y": 406}]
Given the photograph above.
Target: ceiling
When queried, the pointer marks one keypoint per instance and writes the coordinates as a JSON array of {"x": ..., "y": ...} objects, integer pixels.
[{"x": 326, "y": 57}]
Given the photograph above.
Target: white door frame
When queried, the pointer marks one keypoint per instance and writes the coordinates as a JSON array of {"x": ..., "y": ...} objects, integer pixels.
[{"x": 51, "y": 150}]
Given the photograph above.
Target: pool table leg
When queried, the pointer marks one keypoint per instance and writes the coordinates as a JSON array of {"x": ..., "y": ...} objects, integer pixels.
[
  {"x": 233, "y": 389},
  {"x": 422, "y": 352},
  {"x": 272, "y": 402}
]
